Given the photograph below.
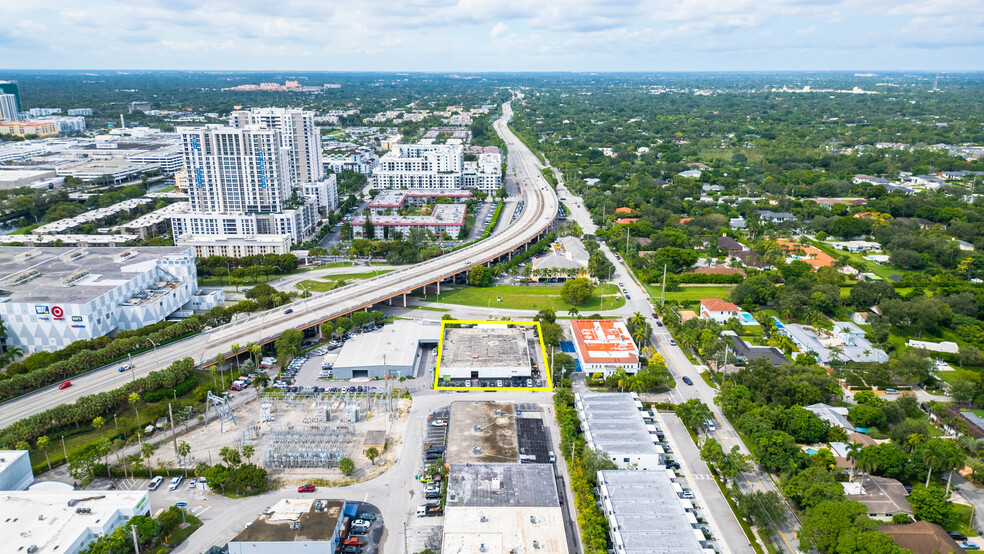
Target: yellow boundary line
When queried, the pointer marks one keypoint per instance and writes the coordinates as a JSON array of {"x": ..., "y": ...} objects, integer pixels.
[{"x": 543, "y": 351}]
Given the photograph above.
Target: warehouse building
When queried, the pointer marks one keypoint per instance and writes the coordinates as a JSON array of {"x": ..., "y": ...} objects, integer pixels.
[
  {"x": 52, "y": 297},
  {"x": 503, "y": 508},
  {"x": 392, "y": 350},
  {"x": 614, "y": 423},
  {"x": 486, "y": 352},
  {"x": 646, "y": 514},
  {"x": 604, "y": 346},
  {"x": 15, "y": 470},
  {"x": 482, "y": 432},
  {"x": 295, "y": 525}
]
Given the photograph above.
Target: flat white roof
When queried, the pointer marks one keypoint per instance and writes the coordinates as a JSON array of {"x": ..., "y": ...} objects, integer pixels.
[
  {"x": 398, "y": 341},
  {"x": 503, "y": 530},
  {"x": 44, "y": 518}
]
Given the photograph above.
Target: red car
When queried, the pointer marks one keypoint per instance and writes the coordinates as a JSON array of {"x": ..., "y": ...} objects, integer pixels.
[
  {"x": 560, "y": 497},
  {"x": 353, "y": 541},
  {"x": 64, "y": 385},
  {"x": 305, "y": 488}
]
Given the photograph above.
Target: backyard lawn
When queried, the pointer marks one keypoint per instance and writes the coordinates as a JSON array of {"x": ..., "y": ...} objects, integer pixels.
[
  {"x": 526, "y": 298},
  {"x": 690, "y": 293}
]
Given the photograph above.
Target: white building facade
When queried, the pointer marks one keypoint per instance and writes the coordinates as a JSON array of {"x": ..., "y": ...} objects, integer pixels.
[{"x": 56, "y": 296}]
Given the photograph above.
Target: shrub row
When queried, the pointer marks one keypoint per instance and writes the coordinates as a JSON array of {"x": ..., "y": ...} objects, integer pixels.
[
  {"x": 181, "y": 389},
  {"x": 705, "y": 278},
  {"x": 87, "y": 408}
]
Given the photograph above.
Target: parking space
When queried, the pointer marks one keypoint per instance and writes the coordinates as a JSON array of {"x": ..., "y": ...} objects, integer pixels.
[
  {"x": 436, "y": 441},
  {"x": 534, "y": 446},
  {"x": 514, "y": 382},
  {"x": 363, "y": 533}
]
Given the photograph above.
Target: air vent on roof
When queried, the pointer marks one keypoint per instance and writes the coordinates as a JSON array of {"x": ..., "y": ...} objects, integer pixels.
[
  {"x": 24, "y": 256},
  {"x": 477, "y": 451},
  {"x": 497, "y": 412},
  {"x": 73, "y": 255},
  {"x": 75, "y": 277},
  {"x": 483, "y": 519},
  {"x": 126, "y": 255},
  {"x": 23, "y": 277},
  {"x": 536, "y": 544},
  {"x": 481, "y": 547}
]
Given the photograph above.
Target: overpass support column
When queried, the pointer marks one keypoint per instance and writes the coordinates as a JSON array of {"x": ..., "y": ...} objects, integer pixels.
[
  {"x": 439, "y": 288},
  {"x": 404, "y": 300},
  {"x": 425, "y": 289},
  {"x": 390, "y": 300}
]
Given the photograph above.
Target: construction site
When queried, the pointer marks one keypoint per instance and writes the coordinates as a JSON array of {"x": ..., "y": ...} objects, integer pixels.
[{"x": 300, "y": 434}]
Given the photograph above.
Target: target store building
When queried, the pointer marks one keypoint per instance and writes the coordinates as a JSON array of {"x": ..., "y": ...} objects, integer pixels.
[{"x": 52, "y": 297}]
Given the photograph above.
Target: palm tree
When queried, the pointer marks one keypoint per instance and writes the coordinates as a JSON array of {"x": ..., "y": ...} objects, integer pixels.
[
  {"x": 167, "y": 466},
  {"x": 573, "y": 312},
  {"x": 637, "y": 320},
  {"x": 220, "y": 359},
  {"x": 134, "y": 399},
  {"x": 853, "y": 455},
  {"x": 105, "y": 447},
  {"x": 136, "y": 464},
  {"x": 934, "y": 456},
  {"x": 42, "y": 443},
  {"x": 98, "y": 422},
  {"x": 248, "y": 451},
  {"x": 641, "y": 334},
  {"x": 234, "y": 350},
  {"x": 184, "y": 449},
  {"x": 972, "y": 445},
  {"x": 956, "y": 459},
  {"x": 372, "y": 453},
  {"x": 147, "y": 451},
  {"x": 254, "y": 350}
]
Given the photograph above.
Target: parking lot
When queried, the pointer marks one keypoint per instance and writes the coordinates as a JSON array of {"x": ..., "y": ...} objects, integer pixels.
[
  {"x": 367, "y": 542},
  {"x": 437, "y": 437},
  {"x": 519, "y": 382}
]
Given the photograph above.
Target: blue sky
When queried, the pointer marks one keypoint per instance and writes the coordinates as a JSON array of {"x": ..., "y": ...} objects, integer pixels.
[{"x": 493, "y": 35}]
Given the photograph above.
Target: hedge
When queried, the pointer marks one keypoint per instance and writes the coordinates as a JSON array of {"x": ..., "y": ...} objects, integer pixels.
[
  {"x": 88, "y": 407},
  {"x": 182, "y": 388},
  {"x": 706, "y": 278}
]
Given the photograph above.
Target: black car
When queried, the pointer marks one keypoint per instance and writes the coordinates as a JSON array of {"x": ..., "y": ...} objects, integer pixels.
[
  {"x": 432, "y": 495},
  {"x": 433, "y": 456},
  {"x": 687, "y": 380},
  {"x": 366, "y": 516},
  {"x": 673, "y": 465},
  {"x": 350, "y": 549},
  {"x": 957, "y": 536},
  {"x": 432, "y": 450},
  {"x": 355, "y": 530}
]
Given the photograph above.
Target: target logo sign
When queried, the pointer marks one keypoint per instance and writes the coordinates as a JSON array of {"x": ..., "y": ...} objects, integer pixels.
[{"x": 57, "y": 312}]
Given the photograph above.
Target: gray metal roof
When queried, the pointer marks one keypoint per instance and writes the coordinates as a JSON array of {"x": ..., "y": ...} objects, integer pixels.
[
  {"x": 645, "y": 513},
  {"x": 507, "y": 485},
  {"x": 613, "y": 423}
]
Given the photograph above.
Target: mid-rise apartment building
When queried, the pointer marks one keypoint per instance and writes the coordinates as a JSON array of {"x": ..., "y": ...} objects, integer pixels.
[{"x": 420, "y": 166}]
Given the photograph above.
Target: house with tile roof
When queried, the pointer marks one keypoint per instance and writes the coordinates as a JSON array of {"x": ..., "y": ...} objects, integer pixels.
[{"x": 718, "y": 310}]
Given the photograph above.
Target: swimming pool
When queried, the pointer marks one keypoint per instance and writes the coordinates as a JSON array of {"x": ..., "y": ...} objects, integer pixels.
[
  {"x": 746, "y": 318},
  {"x": 812, "y": 451}
]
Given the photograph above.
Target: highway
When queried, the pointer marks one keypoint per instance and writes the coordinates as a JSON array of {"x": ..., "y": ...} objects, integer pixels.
[{"x": 541, "y": 206}]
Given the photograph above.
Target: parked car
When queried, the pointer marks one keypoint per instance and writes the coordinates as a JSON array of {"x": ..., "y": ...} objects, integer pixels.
[
  {"x": 64, "y": 385},
  {"x": 306, "y": 488},
  {"x": 360, "y": 523},
  {"x": 193, "y": 483},
  {"x": 366, "y": 516},
  {"x": 175, "y": 483},
  {"x": 351, "y": 549},
  {"x": 560, "y": 497},
  {"x": 967, "y": 545},
  {"x": 155, "y": 482},
  {"x": 957, "y": 536},
  {"x": 672, "y": 465},
  {"x": 439, "y": 423}
]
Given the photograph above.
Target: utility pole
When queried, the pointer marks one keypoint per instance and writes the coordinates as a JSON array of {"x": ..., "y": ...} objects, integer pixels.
[
  {"x": 662, "y": 298},
  {"x": 133, "y": 531},
  {"x": 626, "y": 241},
  {"x": 174, "y": 438},
  {"x": 64, "y": 450}
]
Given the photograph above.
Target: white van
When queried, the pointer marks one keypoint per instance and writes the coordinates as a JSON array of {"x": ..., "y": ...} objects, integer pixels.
[
  {"x": 155, "y": 482},
  {"x": 175, "y": 483}
]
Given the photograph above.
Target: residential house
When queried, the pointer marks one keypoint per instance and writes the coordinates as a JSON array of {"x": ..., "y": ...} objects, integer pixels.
[
  {"x": 929, "y": 181},
  {"x": 745, "y": 352},
  {"x": 691, "y": 173},
  {"x": 922, "y": 537},
  {"x": 860, "y": 178},
  {"x": 882, "y": 496},
  {"x": 855, "y": 245},
  {"x": 846, "y": 344},
  {"x": 835, "y": 416},
  {"x": 623, "y": 210},
  {"x": 814, "y": 256},
  {"x": 776, "y": 217},
  {"x": 718, "y": 310},
  {"x": 749, "y": 258},
  {"x": 737, "y": 223}
]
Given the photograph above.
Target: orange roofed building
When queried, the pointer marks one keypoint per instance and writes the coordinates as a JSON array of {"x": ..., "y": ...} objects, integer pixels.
[
  {"x": 604, "y": 345},
  {"x": 626, "y": 220},
  {"x": 623, "y": 210},
  {"x": 814, "y": 256}
]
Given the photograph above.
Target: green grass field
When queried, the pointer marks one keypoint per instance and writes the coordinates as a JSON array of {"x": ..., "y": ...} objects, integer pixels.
[
  {"x": 332, "y": 265},
  {"x": 355, "y": 276},
  {"x": 527, "y": 298},
  {"x": 690, "y": 293}
]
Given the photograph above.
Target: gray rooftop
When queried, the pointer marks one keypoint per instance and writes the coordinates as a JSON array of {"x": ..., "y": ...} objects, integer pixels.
[
  {"x": 397, "y": 342},
  {"x": 647, "y": 511},
  {"x": 483, "y": 347},
  {"x": 41, "y": 274},
  {"x": 498, "y": 440},
  {"x": 613, "y": 423},
  {"x": 498, "y": 484}
]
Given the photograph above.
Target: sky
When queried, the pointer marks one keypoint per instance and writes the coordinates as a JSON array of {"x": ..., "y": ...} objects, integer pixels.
[{"x": 493, "y": 35}]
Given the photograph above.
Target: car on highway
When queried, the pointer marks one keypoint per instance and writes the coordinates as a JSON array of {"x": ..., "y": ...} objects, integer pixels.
[
  {"x": 305, "y": 488},
  {"x": 289, "y": 311},
  {"x": 64, "y": 385},
  {"x": 124, "y": 368},
  {"x": 687, "y": 380}
]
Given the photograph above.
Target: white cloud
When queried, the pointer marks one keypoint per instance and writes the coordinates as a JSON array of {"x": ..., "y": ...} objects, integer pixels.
[{"x": 499, "y": 30}]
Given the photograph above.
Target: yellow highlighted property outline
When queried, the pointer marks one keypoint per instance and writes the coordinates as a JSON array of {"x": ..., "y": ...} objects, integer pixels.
[{"x": 543, "y": 352}]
